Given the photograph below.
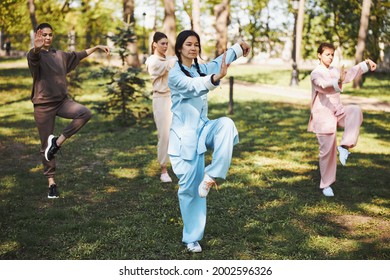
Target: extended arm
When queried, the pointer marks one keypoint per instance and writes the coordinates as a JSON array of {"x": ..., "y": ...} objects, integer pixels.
[
  {"x": 347, "y": 76},
  {"x": 98, "y": 47}
]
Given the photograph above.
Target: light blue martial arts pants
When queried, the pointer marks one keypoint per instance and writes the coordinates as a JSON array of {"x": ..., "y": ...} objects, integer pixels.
[{"x": 221, "y": 137}]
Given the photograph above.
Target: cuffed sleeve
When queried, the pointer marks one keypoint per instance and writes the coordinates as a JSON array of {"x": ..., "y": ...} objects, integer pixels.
[
  {"x": 363, "y": 65},
  {"x": 336, "y": 87},
  {"x": 237, "y": 49},
  {"x": 209, "y": 85}
]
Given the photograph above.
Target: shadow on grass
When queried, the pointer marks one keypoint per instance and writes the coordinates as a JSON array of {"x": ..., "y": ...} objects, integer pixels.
[{"x": 113, "y": 206}]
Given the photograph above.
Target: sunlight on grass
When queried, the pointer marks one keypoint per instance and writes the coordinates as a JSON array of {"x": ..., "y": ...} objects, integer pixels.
[
  {"x": 9, "y": 246},
  {"x": 332, "y": 246},
  {"x": 325, "y": 209},
  {"x": 83, "y": 249},
  {"x": 372, "y": 144},
  {"x": 112, "y": 189},
  {"x": 23, "y": 107},
  {"x": 128, "y": 173},
  {"x": 7, "y": 131},
  {"x": 372, "y": 209},
  {"x": 276, "y": 162},
  {"x": 252, "y": 224},
  {"x": 7, "y": 183},
  {"x": 36, "y": 169}
]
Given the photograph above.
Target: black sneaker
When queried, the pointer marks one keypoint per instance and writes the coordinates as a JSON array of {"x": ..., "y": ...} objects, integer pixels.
[
  {"x": 51, "y": 148},
  {"x": 53, "y": 192}
]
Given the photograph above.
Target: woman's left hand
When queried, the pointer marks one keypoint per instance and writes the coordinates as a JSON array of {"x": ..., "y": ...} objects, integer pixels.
[
  {"x": 104, "y": 48},
  {"x": 371, "y": 64},
  {"x": 245, "y": 48}
]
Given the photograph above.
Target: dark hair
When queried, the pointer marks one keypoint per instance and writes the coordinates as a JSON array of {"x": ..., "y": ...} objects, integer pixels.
[
  {"x": 324, "y": 46},
  {"x": 157, "y": 37},
  {"x": 179, "y": 44},
  {"x": 43, "y": 25}
]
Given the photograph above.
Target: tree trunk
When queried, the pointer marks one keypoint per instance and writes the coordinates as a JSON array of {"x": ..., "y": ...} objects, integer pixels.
[
  {"x": 222, "y": 13},
  {"x": 361, "y": 45},
  {"x": 196, "y": 16},
  {"x": 88, "y": 27},
  {"x": 128, "y": 17},
  {"x": 31, "y": 10},
  {"x": 299, "y": 29},
  {"x": 169, "y": 25}
]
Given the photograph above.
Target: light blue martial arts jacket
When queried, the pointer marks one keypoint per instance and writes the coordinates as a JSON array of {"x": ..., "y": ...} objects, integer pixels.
[{"x": 189, "y": 105}]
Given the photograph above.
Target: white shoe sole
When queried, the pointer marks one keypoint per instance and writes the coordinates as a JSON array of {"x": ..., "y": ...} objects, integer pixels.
[{"x": 49, "y": 143}]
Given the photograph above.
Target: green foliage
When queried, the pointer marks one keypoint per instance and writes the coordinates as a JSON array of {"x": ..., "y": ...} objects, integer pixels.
[
  {"x": 122, "y": 38},
  {"x": 259, "y": 31},
  {"x": 91, "y": 19},
  {"x": 338, "y": 22},
  {"x": 124, "y": 92},
  {"x": 379, "y": 28},
  {"x": 125, "y": 89}
]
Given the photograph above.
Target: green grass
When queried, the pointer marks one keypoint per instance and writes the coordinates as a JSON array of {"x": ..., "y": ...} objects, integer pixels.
[{"x": 113, "y": 206}]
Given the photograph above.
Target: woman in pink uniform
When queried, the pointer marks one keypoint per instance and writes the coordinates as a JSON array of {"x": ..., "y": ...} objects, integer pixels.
[
  {"x": 158, "y": 65},
  {"x": 328, "y": 113}
]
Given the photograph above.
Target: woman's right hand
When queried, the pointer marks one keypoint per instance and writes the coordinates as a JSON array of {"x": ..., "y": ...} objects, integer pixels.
[
  {"x": 38, "y": 40},
  {"x": 342, "y": 74},
  {"x": 222, "y": 73}
]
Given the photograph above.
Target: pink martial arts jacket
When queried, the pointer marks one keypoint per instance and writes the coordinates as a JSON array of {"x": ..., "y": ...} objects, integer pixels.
[{"x": 326, "y": 105}]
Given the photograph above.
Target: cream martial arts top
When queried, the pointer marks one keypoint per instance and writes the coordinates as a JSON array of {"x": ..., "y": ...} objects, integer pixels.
[{"x": 158, "y": 68}]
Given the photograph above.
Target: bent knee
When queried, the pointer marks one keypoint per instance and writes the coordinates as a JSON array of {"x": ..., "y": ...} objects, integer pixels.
[
  {"x": 226, "y": 121},
  {"x": 86, "y": 114}
]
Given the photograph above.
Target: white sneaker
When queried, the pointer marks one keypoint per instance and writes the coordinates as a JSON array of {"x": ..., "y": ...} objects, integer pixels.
[
  {"x": 165, "y": 178},
  {"x": 343, "y": 154},
  {"x": 194, "y": 247},
  {"x": 328, "y": 191},
  {"x": 206, "y": 185}
]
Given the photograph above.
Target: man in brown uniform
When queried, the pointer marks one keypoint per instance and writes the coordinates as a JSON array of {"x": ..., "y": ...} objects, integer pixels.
[{"x": 49, "y": 68}]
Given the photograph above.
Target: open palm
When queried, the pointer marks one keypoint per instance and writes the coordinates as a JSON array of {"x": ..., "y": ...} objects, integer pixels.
[{"x": 38, "y": 39}]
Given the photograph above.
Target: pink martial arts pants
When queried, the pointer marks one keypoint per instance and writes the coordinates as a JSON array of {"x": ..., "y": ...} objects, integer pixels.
[{"x": 351, "y": 121}]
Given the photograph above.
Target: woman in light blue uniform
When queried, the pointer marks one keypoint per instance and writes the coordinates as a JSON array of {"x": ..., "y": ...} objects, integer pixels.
[{"x": 192, "y": 133}]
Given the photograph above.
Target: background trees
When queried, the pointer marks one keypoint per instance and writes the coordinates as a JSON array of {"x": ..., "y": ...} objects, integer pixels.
[{"x": 266, "y": 24}]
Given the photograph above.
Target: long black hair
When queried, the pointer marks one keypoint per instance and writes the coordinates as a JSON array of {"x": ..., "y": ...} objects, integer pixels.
[{"x": 178, "y": 46}]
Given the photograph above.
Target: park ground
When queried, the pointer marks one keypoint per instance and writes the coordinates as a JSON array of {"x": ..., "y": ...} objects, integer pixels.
[{"x": 113, "y": 206}]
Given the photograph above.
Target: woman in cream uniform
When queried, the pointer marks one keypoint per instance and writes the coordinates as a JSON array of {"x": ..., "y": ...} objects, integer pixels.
[
  {"x": 328, "y": 113},
  {"x": 158, "y": 66},
  {"x": 192, "y": 132}
]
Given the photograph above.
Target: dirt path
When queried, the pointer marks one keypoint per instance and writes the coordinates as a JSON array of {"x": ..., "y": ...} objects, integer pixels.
[{"x": 296, "y": 93}]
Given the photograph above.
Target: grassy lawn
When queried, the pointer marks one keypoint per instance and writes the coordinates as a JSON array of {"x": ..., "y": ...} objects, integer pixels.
[{"x": 113, "y": 206}]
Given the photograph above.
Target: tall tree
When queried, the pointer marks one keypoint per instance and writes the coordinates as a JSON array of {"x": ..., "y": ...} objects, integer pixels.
[
  {"x": 128, "y": 17},
  {"x": 31, "y": 10},
  {"x": 169, "y": 26},
  {"x": 298, "y": 30},
  {"x": 361, "y": 45},
  {"x": 196, "y": 17},
  {"x": 257, "y": 31},
  {"x": 222, "y": 21}
]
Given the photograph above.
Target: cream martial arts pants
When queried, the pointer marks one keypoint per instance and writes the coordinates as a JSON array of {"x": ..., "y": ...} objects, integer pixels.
[{"x": 163, "y": 118}]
